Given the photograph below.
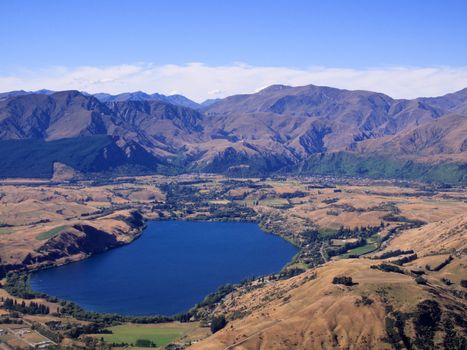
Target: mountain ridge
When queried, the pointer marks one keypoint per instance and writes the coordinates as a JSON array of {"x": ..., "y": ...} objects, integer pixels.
[{"x": 276, "y": 128}]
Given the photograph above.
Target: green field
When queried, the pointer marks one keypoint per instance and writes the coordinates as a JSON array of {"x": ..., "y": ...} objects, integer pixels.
[
  {"x": 5, "y": 231},
  {"x": 50, "y": 233},
  {"x": 325, "y": 231},
  {"x": 131, "y": 333},
  {"x": 274, "y": 202},
  {"x": 361, "y": 250}
]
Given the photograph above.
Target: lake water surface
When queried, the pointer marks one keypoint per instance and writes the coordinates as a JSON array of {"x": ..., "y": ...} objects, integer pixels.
[{"x": 169, "y": 269}]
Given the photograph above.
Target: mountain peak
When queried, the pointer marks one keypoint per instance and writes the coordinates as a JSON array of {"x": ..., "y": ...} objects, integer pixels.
[{"x": 275, "y": 87}]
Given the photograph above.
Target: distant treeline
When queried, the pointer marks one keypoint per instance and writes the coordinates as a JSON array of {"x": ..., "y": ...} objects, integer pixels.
[
  {"x": 99, "y": 154},
  {"x": 393, "y": 253}
]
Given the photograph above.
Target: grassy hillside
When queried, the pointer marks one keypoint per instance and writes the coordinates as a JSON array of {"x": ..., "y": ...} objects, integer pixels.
[{"x": 390, "y": 303}]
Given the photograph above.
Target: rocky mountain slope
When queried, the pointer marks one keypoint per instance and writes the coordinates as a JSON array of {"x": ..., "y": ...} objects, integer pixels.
[
  {"x": 280, "y": 128},
  {"x": 313, "y": 119}
]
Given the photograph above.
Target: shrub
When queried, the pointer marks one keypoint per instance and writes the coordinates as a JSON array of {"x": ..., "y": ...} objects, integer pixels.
[
  {"x": 345, "y": 280},
  {"x": 145, "y": 343},
  {"x": 364, "y": 301},
  {"x": 393, "y": 253},
  {"x": 388, "y": 268},
  {"x": 218, "y": 323},
  {"x": 405, "y": 259},
  {"x": 289, "y": 273},
  {"x": 420, "y": 280},
  {"x": 426, "y": 320},
  {"x": 446, "y": 281},
  {"x": 452, "y": 340},
  {"x": 395, "y": 329},
  {"x": 444, "y": 263},
  {"x": 217, "y": 296}
]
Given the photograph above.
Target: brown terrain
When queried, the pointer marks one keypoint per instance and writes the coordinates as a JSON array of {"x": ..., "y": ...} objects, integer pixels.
[
  {"x": 310, "y": 312},
  {"x": 43, "y": 225},
  {"x": 46, "y": 223}
]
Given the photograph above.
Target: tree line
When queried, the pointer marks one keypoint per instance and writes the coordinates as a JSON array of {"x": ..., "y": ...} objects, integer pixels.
[{"x": 32, "y": 308}]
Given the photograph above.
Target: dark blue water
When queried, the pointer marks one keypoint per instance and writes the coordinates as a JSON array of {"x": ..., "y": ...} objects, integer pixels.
[{"x": 169, "y": 269}]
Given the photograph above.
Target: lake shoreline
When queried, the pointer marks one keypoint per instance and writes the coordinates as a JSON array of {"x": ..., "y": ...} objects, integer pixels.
[
  {"x": 222, "y": 238},
  {"x": 22, "y": 268}
]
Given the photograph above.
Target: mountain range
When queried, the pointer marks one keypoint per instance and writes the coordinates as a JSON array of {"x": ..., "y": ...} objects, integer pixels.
[
  {"x": 280, "y": 129},
  {"x": 127, "y": 96}
]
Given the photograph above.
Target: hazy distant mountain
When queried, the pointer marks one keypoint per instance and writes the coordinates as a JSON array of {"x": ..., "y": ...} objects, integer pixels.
[
  {"x": 68, "y": 114},
  {"x": 209, "y": 102},
  {"x": 44, "y": 92},
  {"x": 142, "y": 96},
  {"x": 5, "y": 95},
  {"x": 280, "y": 128},
  {"x": 60, "y": 115},
  {"x": 181, "y": 101}
]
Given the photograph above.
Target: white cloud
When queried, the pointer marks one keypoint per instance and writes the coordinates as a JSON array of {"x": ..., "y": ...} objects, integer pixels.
[
  {"x": 215, "y": 92},
  {"x": 199, "y": 81}
]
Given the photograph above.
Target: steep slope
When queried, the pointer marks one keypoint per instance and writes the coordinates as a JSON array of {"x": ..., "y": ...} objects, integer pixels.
[
  {"x": 446, "y": 135},
  {"x": 60, "y": 115},
  {"x": 161, "y": 128},
  {"x": 451, "y": 103},
  {"x": 380, "y": 310},
  {"x": 313, "y": 119}
]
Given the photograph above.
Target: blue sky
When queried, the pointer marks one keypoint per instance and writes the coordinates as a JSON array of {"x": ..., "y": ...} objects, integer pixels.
[{"x": 40, "y": 36}]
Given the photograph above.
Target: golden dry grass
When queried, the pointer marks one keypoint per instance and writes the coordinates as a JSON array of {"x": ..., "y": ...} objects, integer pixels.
[{"x": 308, "y": 312}]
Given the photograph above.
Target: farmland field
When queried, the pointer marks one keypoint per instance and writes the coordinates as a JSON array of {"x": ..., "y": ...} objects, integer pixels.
[
  {"x": 50, "y": 233},
  {"x": 131, "y": 333},
  {"x": 161, "y": 334}
]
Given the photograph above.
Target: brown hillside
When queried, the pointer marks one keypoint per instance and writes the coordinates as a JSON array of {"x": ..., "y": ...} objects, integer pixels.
[
  {"x": 446, "y": 135},
  {"x": 310, "y": 312}
]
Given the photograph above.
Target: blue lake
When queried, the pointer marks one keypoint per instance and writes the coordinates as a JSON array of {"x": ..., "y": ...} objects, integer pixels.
[{"x": 169, "y": 269}]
